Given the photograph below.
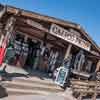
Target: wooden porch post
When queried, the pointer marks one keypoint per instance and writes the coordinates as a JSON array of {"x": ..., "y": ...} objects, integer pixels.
[
  {"x": 1, "y": 39},
  {"x": 2, "y": 12},
  {"x": 8, "y": 29},
  {"x": 68, "y": 51},
  {"x": 98, "y": 66}
]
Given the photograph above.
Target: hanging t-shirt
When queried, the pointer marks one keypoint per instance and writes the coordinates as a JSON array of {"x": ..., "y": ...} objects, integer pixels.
[
  {"x": 46, "y": 52},
  {"x": 38, "y": 52},
  {"x": 42, "y": 50},
  {"x": 17, "y": 47},
  {"x": 25, "y": 49},
  {"x": 79, "y": 61},
  {"x": 10, "y": 53}
]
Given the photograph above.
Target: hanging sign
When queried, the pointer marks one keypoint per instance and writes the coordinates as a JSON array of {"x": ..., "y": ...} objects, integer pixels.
[{"x": 69, "y": 37}]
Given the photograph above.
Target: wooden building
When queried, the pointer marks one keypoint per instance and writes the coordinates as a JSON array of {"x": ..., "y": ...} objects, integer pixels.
[{"x": 67, "y": 39}]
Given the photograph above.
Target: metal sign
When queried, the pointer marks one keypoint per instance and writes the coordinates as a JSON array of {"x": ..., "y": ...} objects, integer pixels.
[
  {"x": 69, "y": 37},
  {"x": 61, "y": 76}
]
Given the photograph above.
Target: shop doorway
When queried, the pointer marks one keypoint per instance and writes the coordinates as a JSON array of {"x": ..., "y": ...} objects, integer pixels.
[
  {"x": 33, "y": 53},
  {"x": 32, "y": 60}
]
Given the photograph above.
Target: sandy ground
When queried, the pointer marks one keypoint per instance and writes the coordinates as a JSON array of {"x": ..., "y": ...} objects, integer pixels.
[
  {"x": 65, "y": 96},
  {"x": 37, "y": 97}
]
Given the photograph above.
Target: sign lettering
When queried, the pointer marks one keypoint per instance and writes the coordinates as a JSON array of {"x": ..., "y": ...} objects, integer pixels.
[{"x": 69, "y": 37}]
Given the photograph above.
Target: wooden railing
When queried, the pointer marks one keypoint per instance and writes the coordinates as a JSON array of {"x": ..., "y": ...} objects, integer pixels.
[{"x": 85, "y": 88}]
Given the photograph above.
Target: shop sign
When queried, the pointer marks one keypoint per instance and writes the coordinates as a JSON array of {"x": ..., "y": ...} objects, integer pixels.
[
  {"x": 61, "y": 76},
  {"x": 69, "y": 37},
  {"x": 34, "y": 24}
]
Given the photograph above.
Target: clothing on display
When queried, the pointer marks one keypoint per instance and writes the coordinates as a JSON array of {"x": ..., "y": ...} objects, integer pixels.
[
  {"x": 17, "y": 47},
  {"x": 67, "y": 62},
  {"x": 25, "y": 48},
  {"x": 60, "y": 59},
  {"x": 45, "y": 63},
  {"x": 1, "y": 40},
  {"x": 36, "y": 55},
  {"x": 88, "y": 66},
  {"x": 33, "y": 57},
  {"x": 30, "y": 55},
  {"x": 46, "y": 52},
  {"x": 10, "y": 55},
  {"x": 42, "y": 51},
  {"x": 44, "y": 58},
  {"x": 24, "y": 53},
  {"x": 79, "y": 60},
  {"x": 52, "y": 60}
]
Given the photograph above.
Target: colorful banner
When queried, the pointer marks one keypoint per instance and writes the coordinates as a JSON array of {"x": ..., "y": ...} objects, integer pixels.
[{"x": 2, "y": 53}]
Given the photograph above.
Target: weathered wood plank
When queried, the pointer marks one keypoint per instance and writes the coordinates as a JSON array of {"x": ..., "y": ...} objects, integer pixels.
[{"x": 86, "y": 87}]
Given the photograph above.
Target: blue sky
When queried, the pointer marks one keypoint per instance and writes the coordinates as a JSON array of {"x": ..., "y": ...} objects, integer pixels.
[{"x": 84, "y": 12}]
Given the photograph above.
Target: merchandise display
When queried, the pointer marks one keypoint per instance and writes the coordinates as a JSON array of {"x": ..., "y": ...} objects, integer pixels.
[
  {"x": 24, "y": 53},
  {"x": 10, "y": 55},
  {"x": 37, "y": 55},
  {"x": 79, "y": 61},
  {"x": 46, "y": 47},
  {"x": 67, "y": 62},
  {"x": 53, "y": 60}
]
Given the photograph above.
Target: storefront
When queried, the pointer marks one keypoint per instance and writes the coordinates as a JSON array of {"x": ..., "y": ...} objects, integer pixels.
[
  {"x": 34, "y": 52},
  {"x": 44, "y": 43}
]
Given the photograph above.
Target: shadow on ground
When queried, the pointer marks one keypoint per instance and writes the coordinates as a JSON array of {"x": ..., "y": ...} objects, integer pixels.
[
  {"x": 7, "y": 76},
  {"x": 3, "y": 92},
  {"x": 39, "y": 74}
]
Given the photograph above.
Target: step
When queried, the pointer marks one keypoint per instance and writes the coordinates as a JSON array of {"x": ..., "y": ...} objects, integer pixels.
[
  {"x": 26, "y": 86},
  {"x": 35, "y": 80},
  {"x": 13, "y": 91}
]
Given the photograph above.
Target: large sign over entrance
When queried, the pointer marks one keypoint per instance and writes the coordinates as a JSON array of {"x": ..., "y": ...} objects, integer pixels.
[{"x": 69, "y": 37}]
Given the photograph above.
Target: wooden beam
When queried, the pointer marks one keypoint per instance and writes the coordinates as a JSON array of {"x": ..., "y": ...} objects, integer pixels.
[
  {"x": 26, "y": 31},
  {"x": 23, "y": 21},
  {"x": 53, "y": 20},
  {"x": 68, "y": 51}
]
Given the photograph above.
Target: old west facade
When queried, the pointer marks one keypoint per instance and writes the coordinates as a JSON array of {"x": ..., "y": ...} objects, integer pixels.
[{"x": 63, "y": 39}]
